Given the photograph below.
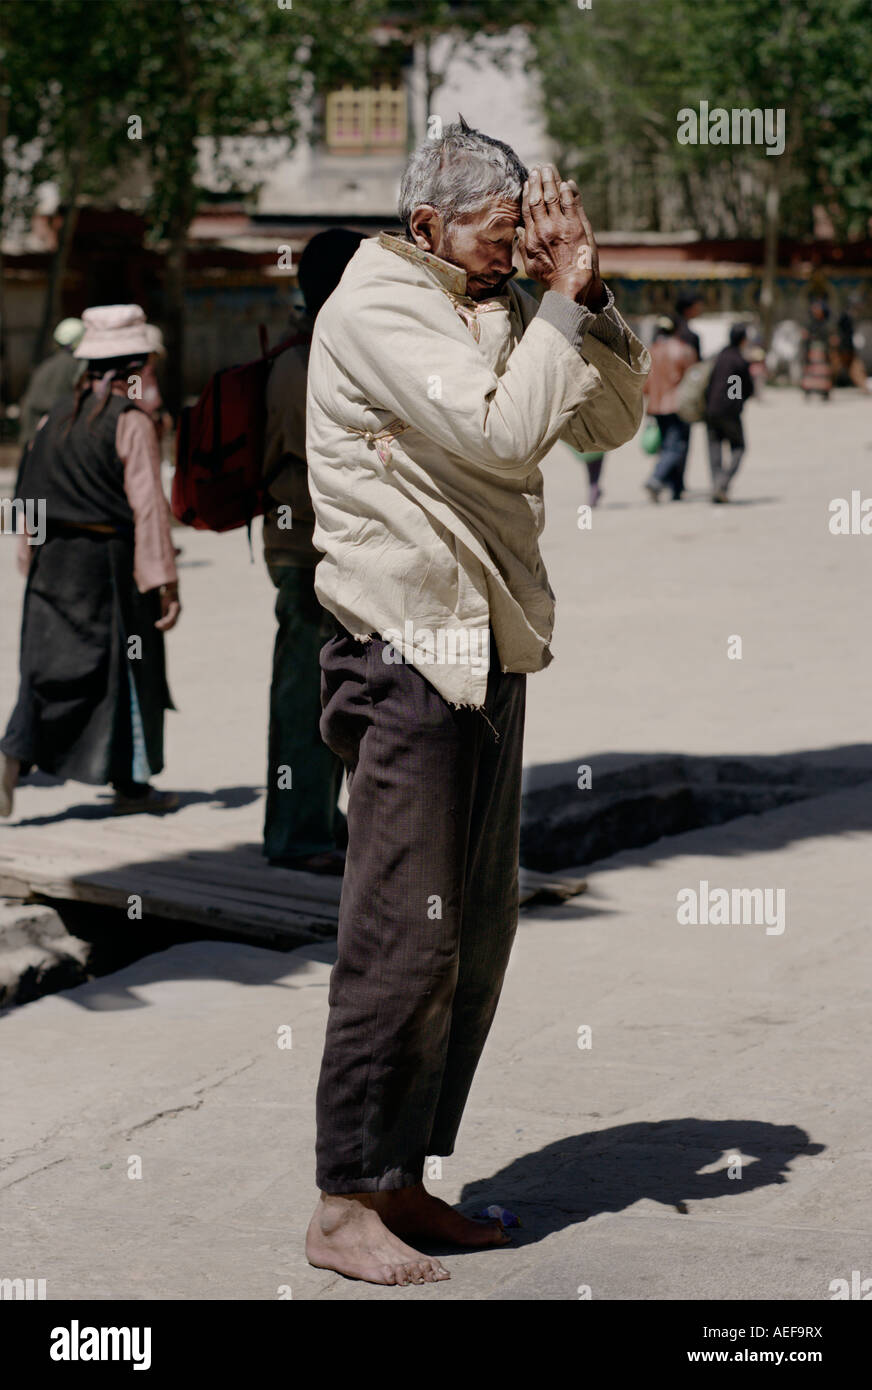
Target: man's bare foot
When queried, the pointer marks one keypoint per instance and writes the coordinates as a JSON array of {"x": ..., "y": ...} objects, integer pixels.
[
  {"x": 415, "y": 1213},
  {"x": 9, "y": 770},
  {"x": 347, "y": 1234}
]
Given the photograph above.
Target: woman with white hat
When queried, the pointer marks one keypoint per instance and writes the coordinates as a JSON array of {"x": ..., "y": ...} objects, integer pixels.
[{"x": 102, "y": 586}]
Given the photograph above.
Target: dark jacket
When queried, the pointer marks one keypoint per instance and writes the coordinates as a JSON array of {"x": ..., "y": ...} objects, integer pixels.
[
  {"x": 76, "y": 469},
  {"x": 725, "y": 397}
]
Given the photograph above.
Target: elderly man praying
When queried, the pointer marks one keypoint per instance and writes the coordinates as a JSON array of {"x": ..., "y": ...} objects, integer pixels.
[{"x": 436, "y": 387}]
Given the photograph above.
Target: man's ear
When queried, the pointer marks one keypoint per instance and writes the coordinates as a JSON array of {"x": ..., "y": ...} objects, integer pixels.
[{"x": 425, "y": 224}]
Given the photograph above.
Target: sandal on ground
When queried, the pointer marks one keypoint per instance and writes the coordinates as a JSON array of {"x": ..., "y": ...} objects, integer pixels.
[
  {"x": 152, "y": 802},
  {"x": 332, "y": 861}
]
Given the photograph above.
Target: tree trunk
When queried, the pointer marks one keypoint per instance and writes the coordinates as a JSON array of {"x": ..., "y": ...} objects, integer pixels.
[
  {"x": 4, "y": 375},
  {"x": 53, "y": 301},
  {"x": 174, "y": 312},
  {"x": 429, "y": 85},
  {"x": 771, "y": 221},
  {"x": 179, "y": 172},
  {"x": 178, "y": 168},
  {"x": 69, "y": 201}
]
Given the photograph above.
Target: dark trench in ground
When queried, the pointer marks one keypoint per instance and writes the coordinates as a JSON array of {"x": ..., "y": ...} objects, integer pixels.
[{"x": 632, "y": 801}]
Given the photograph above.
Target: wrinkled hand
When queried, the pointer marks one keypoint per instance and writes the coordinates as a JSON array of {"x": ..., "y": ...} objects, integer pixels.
[
  {"x": 557, "y": 241},
  {"x": 170, "y": 607}
]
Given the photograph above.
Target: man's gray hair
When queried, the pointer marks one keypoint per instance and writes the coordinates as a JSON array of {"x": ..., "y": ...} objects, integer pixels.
[{"x": 459, "y": 172}]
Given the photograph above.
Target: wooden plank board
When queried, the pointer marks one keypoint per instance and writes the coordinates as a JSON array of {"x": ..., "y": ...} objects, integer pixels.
[
  {"x": 227, "y": 898},
  {"x": 182, "y": 869},
  {"x": 221, "y": 886},
  {"x": 236, "y": 892},
  {"x": 201, "y": 867},
  {"x": 219, "y": 913}
]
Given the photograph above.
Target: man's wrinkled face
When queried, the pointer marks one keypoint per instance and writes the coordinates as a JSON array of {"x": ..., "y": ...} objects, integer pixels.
[{"x": 481, "y": 243}]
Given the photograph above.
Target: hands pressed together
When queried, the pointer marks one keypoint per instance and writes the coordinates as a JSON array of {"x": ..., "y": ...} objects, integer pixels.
[{"x": 557, "y": 241}]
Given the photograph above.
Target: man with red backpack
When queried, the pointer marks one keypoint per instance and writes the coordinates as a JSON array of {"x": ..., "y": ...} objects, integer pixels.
[{"x": 302, "y": 823}]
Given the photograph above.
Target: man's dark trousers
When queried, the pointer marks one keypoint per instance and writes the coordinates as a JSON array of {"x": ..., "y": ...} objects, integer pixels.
[
  {"x": 428, "y": 914},
  {"x": 724, "y": 429}
]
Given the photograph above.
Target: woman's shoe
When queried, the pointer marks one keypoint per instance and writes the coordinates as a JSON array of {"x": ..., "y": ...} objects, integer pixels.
[
  {"x": 150, "y": 801},
  {"x": 331, "y": 861}
]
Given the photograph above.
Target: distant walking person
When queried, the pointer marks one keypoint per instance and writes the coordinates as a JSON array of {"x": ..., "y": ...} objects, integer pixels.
[
  {"x": 52, "y": 379},
  {"x": 101, "y": 586},
  {"x": 670, "y": 359},
  {"x": 848, "y": 361},
  {"x": 302, "y": 822},
  {"x": 817, "y": 376},
  {"x": 730, "y": 386},
  {"x": 688, "y": 306},
  {"x": 594, "y": 462}
]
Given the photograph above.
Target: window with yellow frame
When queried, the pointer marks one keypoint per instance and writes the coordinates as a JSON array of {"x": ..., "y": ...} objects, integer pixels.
[{"x": 367, "y": 120}]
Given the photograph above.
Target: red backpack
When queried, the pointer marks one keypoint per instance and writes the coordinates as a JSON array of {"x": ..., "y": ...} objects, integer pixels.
[{"x": 219, "y": 481}]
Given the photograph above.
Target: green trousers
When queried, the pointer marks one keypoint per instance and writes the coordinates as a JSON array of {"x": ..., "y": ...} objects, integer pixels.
[{"x": 303, "y": 776}]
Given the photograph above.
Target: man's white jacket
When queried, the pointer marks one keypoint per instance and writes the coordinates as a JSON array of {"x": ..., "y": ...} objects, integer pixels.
[{"x": 427, "y": 416}]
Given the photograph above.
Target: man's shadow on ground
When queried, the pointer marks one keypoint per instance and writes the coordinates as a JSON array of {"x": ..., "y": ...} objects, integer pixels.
[{"x": 608, "y": 1170}]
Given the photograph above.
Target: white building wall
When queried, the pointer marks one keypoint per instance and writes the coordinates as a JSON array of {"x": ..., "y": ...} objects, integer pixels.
[
  {"x": 504, "y": 104},
  {"x": 308, "y": 181}
]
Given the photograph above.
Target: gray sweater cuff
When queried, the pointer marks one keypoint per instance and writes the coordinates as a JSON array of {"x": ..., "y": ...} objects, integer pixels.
[
  {"x": 607, "y": 328},
  {"x": 574, "y": 321},
  {"x": 571, "y": 319}
]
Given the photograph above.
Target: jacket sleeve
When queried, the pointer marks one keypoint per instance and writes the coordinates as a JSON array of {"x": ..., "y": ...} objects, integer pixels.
[
  {"x": 153, "y": 552},
  {"x": 615, "y": 413},
  {"x": 413, "y": 357}
]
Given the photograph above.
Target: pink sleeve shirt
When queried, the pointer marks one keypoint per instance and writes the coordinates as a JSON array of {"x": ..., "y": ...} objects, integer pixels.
[{"x": 137, "y": 445}]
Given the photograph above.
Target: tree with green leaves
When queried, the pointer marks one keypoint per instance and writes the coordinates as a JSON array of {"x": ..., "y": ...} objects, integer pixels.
[
  {"x": 475, "y": 26},
  {"x": 62, "y": 77},
  {"x": 223, "y": 72},
  {"x": 188, "y": 70},
  {"x": 616, "y": 76},
  {"x": 77, "y": 72}
]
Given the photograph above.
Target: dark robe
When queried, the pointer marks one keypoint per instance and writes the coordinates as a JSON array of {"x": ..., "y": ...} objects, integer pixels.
[{"x": 85, "y": 695}]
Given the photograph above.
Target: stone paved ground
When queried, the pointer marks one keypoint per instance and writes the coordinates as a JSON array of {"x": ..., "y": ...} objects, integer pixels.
[{"x": 709, "y": 1043}]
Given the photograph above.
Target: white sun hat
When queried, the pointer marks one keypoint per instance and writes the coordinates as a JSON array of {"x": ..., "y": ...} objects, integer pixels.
[
  {"x": 155, "y": 337},
  {"x": 114, "y": 330}
]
